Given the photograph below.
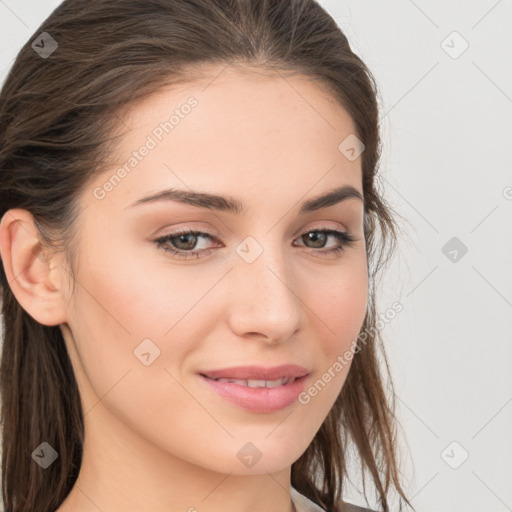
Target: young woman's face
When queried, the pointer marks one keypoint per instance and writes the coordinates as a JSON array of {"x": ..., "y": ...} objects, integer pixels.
[{"x": 252, "y": 288}]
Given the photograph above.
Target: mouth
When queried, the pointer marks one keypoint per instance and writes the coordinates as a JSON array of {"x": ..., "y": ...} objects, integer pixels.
[
  {"x": 257, "y": 396},
  {"x": 256, "y": 373},
  {"x": 253, "y": 383}
]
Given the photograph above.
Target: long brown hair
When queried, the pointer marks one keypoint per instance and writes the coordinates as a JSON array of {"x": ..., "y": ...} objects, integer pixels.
[{"x": 58, "y": 116}]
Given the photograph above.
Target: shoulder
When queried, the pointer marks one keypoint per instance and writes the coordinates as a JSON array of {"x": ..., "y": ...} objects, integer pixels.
[
  {"x": 350, "y": 507},
  {"x": 304, "y": 504}
]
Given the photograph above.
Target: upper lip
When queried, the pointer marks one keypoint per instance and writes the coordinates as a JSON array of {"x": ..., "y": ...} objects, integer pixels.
[{"x": 257, "y": 372}]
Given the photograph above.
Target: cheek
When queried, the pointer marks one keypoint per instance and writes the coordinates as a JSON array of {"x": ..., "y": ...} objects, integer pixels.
[
  {"x": 125, "y": 299},
  {"x": 132, "y": 295},
  {"x": 114, "y": 309},
  {"x": 338, "y": 301},
  {"x": 119, "y": 306}
]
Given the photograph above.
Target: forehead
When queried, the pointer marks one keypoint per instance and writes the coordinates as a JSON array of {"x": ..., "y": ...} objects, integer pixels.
[
  {"x": 246, "y": 95},
  {"x": 248, "y": 132}
]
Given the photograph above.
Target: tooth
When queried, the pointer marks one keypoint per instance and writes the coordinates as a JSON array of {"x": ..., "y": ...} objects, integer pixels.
[
  {"x": 252, "y": 383},
  {"x": 235, "y": 381},
  {"x": 238, "y": 381},
  {"x": 275, "y": 383},
  {"x": 256, "y": 383}
]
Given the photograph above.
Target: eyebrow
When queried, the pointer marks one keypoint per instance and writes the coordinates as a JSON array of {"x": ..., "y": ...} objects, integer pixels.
[{"x": 233, "y": 205}]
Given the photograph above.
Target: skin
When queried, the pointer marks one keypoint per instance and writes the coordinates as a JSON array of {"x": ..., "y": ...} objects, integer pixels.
[{"x": 157, "y": 439}]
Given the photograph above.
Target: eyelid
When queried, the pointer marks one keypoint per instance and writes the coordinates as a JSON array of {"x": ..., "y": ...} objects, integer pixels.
[
  {"x": 344, "y": 238},
  {"x": 192, "y": 228}
]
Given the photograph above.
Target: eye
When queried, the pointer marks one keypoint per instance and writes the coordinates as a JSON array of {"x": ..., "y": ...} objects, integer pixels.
[
  {"x": 180, "y": 243},
  {"x": 343, "y": 238}
]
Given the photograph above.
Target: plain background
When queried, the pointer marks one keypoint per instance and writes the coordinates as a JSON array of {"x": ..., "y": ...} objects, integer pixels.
[{"x": 446, "y": 114}]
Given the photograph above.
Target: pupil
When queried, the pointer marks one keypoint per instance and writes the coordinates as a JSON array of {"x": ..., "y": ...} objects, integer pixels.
[
  {"x": 189, "y": 245},
  {"x": 314, "y": 237}
]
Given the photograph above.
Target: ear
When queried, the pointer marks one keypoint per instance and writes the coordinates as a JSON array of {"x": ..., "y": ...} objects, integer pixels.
[{"x": 34, "y": 275}]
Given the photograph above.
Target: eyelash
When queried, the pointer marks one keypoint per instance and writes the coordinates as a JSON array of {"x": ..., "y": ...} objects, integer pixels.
[{"x": 346, "y": 239}]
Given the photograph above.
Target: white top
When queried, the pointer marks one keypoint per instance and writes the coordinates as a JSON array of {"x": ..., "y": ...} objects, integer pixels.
[{"x": 304, "y": 504}]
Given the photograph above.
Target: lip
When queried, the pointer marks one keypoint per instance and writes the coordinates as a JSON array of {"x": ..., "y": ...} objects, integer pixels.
[
  {"x": 258, "y": 400},
  {"x": 257, "y": 372}
]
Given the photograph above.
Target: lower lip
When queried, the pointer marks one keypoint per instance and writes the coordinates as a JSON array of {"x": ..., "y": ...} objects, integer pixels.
[{"x": 258, "y": 399}]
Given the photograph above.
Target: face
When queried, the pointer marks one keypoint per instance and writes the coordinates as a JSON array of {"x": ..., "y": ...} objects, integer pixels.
[{"x": 265, "y": 284}]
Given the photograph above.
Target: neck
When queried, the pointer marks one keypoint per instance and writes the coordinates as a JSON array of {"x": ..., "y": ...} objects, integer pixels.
[{"x": 122, "y": 471}]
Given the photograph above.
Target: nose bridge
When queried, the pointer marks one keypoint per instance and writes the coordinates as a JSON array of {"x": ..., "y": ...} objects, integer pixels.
[{"x": 265, "y": 300}]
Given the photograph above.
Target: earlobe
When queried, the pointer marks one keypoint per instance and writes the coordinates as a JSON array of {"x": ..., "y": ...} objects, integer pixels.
[{"x": 31, "y": 272}]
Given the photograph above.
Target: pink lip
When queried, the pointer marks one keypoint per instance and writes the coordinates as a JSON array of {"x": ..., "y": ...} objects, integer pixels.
[
  {"x": 257, "y": 372},
  {"x": 259, "y": 400}
]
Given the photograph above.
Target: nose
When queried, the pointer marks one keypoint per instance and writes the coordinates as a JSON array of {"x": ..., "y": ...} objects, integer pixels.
[{"x": 265, "y": 301}]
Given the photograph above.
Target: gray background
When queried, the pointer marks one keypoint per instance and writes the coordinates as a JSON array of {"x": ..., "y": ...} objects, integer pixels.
[{"x": 446, "y": 168}]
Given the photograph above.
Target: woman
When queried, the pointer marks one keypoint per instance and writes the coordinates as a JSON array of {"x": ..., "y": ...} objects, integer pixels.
[{"x": 189, "y": 244}]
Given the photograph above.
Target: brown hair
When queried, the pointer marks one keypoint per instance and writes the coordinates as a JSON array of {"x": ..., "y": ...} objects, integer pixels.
[{"x": 58, "y": 117}]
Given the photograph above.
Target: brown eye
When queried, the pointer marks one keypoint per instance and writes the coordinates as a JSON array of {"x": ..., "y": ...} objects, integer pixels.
[
  {"x": 318, "y": 238},
  {"x": 318, "y": 241},
  {"x": 185, "y": 241},
  {"x": 182, "y": 244}
]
